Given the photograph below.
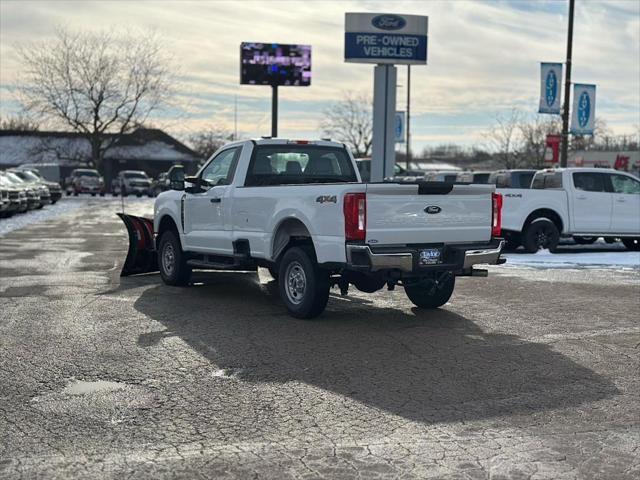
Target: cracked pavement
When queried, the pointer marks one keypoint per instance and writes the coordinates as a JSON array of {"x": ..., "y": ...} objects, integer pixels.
[{"x": 527, "y": 374}]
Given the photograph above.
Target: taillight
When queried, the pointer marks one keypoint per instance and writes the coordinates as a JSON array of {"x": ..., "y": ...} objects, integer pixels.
[
  {"x": 355, "y": 216},
  {"x": 496, "y": 222}
]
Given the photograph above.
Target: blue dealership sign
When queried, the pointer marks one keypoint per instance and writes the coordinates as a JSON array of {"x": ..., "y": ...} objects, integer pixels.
[
  {"x": 584, "y": 109},
  {"x": 550, "y": 75},
  {"x": 385, "y": 38},
  {"x": 398, "y": 127}
]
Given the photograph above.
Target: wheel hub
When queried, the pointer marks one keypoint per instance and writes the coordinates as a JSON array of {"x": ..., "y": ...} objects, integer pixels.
[
  {"x": 168, "y": 258},
  {"x": 295, "y": 283}
]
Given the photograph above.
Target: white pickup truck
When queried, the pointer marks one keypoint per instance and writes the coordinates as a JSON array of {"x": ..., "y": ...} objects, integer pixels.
[
  {"x": 300, "y": 209},
  {"x": 583, "y": 203}
]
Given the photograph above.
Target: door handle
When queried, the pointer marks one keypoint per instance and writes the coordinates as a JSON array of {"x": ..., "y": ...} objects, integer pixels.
[
  {"x": 581, "y": 197},
  {"x": 620, "y": 200},
  {"x": 215, "y": 200}
]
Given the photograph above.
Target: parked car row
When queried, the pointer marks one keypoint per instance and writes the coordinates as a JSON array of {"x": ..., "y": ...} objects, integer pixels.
[
  {"x": 125, "y": 183},
  {"x": 23, "y": 189}
]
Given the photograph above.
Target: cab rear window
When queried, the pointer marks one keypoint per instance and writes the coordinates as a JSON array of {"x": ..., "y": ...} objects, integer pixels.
[{"x": 297, "y": 164}]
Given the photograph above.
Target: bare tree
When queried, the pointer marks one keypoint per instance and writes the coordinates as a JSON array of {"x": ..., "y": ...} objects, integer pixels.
[
  {"x": 96, "y": 84},
  {"x": 19, "y": 123},
  {"x": 350, "y": 121},
  {"x": 534, "y": 133},
  {"x": 207, "y": 142},
  {"x": 505, "y": 140}
]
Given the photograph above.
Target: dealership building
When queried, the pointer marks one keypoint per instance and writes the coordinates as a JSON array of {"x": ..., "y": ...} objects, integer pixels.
[{"x": 148, "y": 149}]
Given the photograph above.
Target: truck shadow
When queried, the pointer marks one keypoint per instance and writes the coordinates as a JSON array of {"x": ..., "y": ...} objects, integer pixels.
[{"x": 431, "y": 367}]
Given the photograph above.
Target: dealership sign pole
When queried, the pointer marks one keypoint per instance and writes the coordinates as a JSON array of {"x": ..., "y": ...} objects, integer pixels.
[{"x": 385, "y": 40}]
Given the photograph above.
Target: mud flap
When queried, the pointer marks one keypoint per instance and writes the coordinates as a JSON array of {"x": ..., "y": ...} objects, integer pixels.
[{"x": 142, "y": 255}]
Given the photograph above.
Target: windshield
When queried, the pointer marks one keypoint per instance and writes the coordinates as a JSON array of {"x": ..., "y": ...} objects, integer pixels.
[
  {"x": 35, "y": 173},
  {"x": 86, "y": 173},
  {"x": 13, "y": 178},
  {"x": 28, "y": 176},
  {"x": 295, "y": 164},
  {"x": 140, "y": 175}
]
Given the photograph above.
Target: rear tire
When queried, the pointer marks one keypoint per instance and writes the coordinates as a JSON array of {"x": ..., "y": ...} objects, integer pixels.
[
  {"x": 422, "y": 297},
  {"x": 541, "y": 233},
  {"x": 632, "y": 244},
  {"x": 303, "y": 286},
  {"x": 172, "y": 261}
]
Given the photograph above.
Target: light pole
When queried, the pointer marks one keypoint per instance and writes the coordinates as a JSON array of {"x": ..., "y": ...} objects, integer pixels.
[{"x": 567, "y": 90}]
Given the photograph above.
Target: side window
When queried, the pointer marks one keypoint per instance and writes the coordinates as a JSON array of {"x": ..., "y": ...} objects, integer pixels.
[
  {"x": 524, "y": 180},
  {"x": 220, "y": 170},
  {"x": 547, "y": 181},
  {"x": 502, "y": 181},
  {"x": 624, "y": 184},
  {"x": 589, "y": 181},
  {"x": 553, "y": 181}
]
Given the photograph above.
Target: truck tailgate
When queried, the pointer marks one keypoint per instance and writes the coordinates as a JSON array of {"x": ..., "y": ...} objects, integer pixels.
[{"x": 429, "y": 212}]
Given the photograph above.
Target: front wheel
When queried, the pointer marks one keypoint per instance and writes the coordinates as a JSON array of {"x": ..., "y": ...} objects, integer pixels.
[
  {"x": 172, "y": 260},
  {"x": 632, "y": 244},
  {"x": 303, "y": 286},
  {"x": 431, "y": 296},
  {"x": 541, "y": 233}
]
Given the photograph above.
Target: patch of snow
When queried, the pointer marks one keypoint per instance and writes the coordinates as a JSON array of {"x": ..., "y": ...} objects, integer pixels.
[
  {"x": 575, "y": 259},
  {"x": 21, "y": 220}
]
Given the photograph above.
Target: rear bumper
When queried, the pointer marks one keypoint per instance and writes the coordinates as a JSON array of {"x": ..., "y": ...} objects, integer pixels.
[{"x": 456, "y": 258}]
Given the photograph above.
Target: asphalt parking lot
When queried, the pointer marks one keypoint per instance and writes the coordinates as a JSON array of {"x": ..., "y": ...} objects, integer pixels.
[{"x": 531, "y": 373}]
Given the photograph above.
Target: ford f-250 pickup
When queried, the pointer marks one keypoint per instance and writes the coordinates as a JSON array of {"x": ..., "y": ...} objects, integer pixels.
[
  {"x": 300, "y": 209},
  {"x": 583, "y": 203}
]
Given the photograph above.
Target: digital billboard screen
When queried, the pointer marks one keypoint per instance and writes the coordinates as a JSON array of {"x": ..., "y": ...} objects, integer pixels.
[{"x": 275, "y": 64}]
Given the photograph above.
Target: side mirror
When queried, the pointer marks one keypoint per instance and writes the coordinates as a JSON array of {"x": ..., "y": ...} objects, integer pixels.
[
  {"x": 175, "y": 178},
  {"x": 194, "y": 185}
]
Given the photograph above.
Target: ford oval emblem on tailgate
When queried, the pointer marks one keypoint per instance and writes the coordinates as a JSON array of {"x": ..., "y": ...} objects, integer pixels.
[{"x": 432, "y": 209}]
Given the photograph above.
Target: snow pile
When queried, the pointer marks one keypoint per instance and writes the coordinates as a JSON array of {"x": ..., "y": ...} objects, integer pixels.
[
  {"x": 21, "y": 220},
  {"x": 569, "y": 259}
]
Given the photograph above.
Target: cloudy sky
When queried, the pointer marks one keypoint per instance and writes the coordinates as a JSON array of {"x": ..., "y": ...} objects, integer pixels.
[{"x": 483, "y": 58}]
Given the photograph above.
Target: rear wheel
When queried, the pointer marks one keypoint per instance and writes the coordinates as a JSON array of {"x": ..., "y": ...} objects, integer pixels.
[
  {"x": 541, "y": 233},
  {"x": 632, "y": 244},
  {"x": 303, "y": 286},
  {"x": 430, "y": 296},
  {"x": 172, "y": 260}
]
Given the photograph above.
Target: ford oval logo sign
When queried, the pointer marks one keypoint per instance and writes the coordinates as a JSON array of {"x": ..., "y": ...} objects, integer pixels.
[
  {"x": 388, "y": 22},
  {"x": 433, "y": 209},
  {"x": 584, "y": 109},
  {"x": 551, "y": 87}
]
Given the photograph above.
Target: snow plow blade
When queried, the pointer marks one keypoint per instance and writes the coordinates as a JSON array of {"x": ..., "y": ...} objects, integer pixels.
[{"x": 142, "y": 256}]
